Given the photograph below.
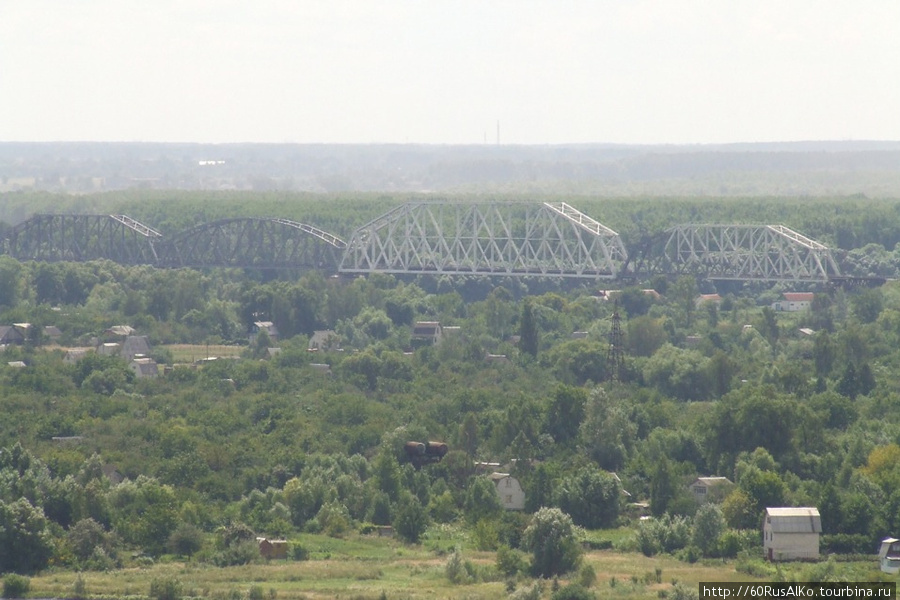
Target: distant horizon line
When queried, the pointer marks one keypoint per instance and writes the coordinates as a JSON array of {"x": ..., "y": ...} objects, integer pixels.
[{"x": 460, "y": 144}]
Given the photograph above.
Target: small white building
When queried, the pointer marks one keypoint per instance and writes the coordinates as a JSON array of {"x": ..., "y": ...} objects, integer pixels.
[
  {"x": 794, "y": 302},
  {"x": 792, "y": 533},
  {"x": 143, "y": 366},
  {"x": 889, "y": 555},
  {"x": 512, "y": 496},
  {"x": 427, "y": 332}
]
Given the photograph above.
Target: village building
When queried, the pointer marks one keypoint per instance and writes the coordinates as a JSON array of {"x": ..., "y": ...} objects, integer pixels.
[
  {"x": 710, "y": 489},
  {"x": 135, "y": 345},
  {"x": 144, "y": 367},
  {"x": 109, "y": 349},
  {"x": 324, "y": 340},
  {"x": 889, "y": 555},
  {"x": 120, "y": 330},
  {"x": 794, "y": 302},
  {"x": 792, "y": 533},
  {"x": 10, "y": 335},
  {"x": 260, "y": 326},
  {"x": 426, "y": 333},
  {"x": 496, "y": 358},
  {"x": 704, "y": 298},
  {"x": 512, "y": 496},
  {"x": 73, "y": 355},
  {"x": 270, "y": 549}
]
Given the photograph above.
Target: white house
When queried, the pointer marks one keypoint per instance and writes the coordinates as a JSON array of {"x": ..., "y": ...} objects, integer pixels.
[
  {"x": 143, "y": 366},
  {"x": 889, "y": 555},
  {"x": 512, "y": 496},
  {"x": 792, "y": 533},
  {"x": 794, "y": 301}
]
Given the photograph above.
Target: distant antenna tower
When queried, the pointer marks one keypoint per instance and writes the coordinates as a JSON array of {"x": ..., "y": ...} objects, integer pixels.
[{"x": 615, "y": 357}]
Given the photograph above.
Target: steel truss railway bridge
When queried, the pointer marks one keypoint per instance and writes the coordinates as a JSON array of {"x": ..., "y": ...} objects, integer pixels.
[{"x": 440, "y": 238}]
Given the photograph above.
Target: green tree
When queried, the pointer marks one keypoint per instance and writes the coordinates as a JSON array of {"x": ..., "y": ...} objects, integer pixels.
[
  {"x": 565, "y": 413},
  {"x": 482, "y": 500},
  {"x": 823, "y": 354},
  {"x": 26, "y": 544},
  {"x": 550, "y": 537},
  {"x": 10, "y": 281},
  {"x": 635, "y": 302},
  {"x": 411, "y": 520},
  {"x": 709, "y": 525},
  {"x": 662, "y": 487},
  {"x": 645, "y": 335},
  {"x": 591, "y": 497},
  {"x": 607, "y": 433},
  {"x": 528, "y": 331}
]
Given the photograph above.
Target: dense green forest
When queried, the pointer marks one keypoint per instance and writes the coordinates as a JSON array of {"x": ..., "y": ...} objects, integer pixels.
[{"x": 796, "y": 409}]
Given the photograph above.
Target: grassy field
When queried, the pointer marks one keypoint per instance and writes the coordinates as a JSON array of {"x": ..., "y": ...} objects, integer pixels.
[{"x": 364, "y": 567}]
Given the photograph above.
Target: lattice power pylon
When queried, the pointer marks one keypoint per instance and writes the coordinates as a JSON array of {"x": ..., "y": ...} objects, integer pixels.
[
  {"x": 747, "y": 253},
  {"x": 615, "y": 355},
  {"x": 512, "y": 239}
]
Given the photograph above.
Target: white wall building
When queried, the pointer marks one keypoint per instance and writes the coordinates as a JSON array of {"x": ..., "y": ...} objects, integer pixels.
[
  {"x": 512, "y": 496},
  {"x": 792, "y": 533}
]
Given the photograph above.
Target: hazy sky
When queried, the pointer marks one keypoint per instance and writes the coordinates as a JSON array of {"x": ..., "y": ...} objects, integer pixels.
[{"x": 445, "y": 72}]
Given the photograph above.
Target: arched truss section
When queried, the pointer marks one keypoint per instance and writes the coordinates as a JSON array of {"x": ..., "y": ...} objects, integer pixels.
[
  {"x": 748, "y": 253},
  {"x": 550, "y": 239},
  {"x": 83, "y": 237},
  {"x": 254, "y": 243}
]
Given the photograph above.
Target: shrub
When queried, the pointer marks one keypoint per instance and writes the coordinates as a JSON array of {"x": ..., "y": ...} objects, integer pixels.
[
  {"x": 573, "y": 591},
  {"x": 255, "y": 593},
  {"x": 455, "y": 569},
  {"x": 587, "y": 577},
  {"x": 15, "y": 586},
  {"x": 528, "y": 593},
  {"x": 165, "y": 589},
  {"x": 186, "y": 540},
  {"x": 79, "y": 588},
  {"x": 551, "y": 539},
  {"x": 663, "y": 534},
  {"x": 238, "y": 553},
  {"x": 298, "y": 552},
  {"x": 510, "y": 562}
]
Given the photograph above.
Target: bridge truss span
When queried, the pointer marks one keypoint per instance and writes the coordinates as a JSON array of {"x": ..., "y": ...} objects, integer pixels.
[
  {"x": 254, "y": 243},
  {"x": 52, "y": 238},
  {"x": 507, "y": 239},
  {"x": 748, "y": 253}
]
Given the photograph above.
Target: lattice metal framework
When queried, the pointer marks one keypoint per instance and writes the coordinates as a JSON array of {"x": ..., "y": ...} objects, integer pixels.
[
  {"x": 254, "y": 243},
  {"x": 513, "y": 239},
  {"x": 82, "y": 237},
  {"x": 747, "y": 253}
]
